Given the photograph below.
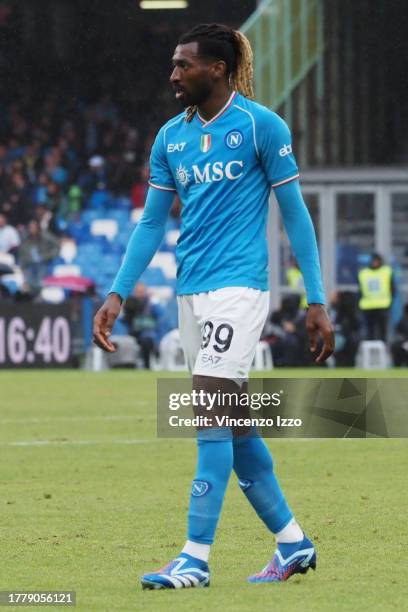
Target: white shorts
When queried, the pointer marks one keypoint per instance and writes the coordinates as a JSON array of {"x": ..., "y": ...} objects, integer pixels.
[{"x": 219, "y": 330}]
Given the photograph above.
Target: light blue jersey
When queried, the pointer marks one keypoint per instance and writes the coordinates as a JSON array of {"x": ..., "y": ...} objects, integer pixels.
[{"x": 223, "y": 170}]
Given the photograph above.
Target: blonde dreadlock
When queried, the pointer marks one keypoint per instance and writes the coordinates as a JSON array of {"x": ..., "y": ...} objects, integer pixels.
[
  {"x": 240, "y": 69},
  {"x": 242, "y": 80}
]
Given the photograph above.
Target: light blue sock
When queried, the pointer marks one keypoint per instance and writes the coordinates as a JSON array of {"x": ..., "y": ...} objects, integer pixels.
[
  {"x": 214, "y": 467},
  {"x": 254, "y": 468}
]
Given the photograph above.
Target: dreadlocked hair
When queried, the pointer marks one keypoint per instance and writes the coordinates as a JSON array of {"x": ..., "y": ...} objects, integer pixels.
[{"x": 231, "y": 46}]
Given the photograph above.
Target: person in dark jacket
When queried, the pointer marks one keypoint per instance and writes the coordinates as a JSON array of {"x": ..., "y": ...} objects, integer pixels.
[
  {"x": 36, "y": 251},
  {"x": 141, "y": 316},
  {"x": 399, "y": 347}
]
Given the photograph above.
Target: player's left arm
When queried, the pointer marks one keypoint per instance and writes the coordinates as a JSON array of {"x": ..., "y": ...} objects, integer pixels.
[
  {"x": 302, "y": 237},
  {"x": 274, "y": 144}
]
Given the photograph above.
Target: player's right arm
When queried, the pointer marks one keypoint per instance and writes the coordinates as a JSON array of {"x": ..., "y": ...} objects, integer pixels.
[{"x": 143, "y": 244}]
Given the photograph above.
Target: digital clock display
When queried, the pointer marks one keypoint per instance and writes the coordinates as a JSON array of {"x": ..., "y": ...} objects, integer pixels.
[{"x": 34, "y": 335}]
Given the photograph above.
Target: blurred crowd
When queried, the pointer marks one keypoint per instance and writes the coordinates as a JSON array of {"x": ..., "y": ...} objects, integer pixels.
[
  {"x": 54, "y": 154},
  {"x": 57, "y": 152}
]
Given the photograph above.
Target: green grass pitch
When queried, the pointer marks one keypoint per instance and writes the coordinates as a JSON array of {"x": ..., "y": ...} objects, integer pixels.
[{"x": 90, "y": 499}]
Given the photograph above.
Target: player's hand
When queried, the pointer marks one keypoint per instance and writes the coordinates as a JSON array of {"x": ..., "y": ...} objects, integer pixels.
[
  {"x": 319, "y": 324},
  {"x": 104, "y": 321}
]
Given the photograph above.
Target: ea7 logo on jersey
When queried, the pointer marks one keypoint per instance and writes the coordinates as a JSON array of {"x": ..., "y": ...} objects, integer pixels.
[
  {"x": 285, "y": 150},
  {"x": 216, "y": 171},
  {"x": 171, "y": 148}
]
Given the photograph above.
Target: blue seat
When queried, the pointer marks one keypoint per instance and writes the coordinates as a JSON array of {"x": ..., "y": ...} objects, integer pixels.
[
  {"x": 120, "y": 215},
  {"x": 102, "y": 242},
  {"x": 123, "y": 203},
  {"x": 117, "y": 249},
  {"x": 89, "y": 250},
  {"x": 109, "y": 264},
  {"x": 79, "y": 232},
  {"x": 99, "y": 200},
  {"x": 89, "y": 270},
  {"x": 87, "y": 216},
  {"x": 10, "y": 284}
]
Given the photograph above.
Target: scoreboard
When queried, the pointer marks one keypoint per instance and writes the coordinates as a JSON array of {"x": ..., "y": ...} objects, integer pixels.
[{"x": 34, "y": 335}]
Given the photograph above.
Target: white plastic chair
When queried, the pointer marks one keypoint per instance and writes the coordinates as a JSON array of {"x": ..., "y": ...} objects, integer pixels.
[
  {"x": 7, "y": 259},
  {"x": 263, "y": 357},
  {"x": 127, "y": 352},
  {"x": 136, "y": 215},
  {"x": 96, "y": 360},
  {"x": 68, "y": 251},
  {"x": 171, "y": 353},
  {"x": 104, "y": 227},
  {"x": 161, "y": 293},
  {"x": 167, "y": 263},
  {"x": 66, "y": 270},
  {"x": 52, "y": 295},
  {"x": 372, "y": 355},
  {"x": 172, "y": 236}
]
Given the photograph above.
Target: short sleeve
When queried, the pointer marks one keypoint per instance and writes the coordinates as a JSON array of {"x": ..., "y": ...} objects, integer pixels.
[
  {"x": 275, "y": 149},
  {"x": 160, "y": 173}
]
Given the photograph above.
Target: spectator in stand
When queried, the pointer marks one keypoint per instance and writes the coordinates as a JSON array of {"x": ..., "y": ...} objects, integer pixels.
[
  {"x": 55, "y": 167},
  {"x": 36, "y": 251},
  {"x": 377, "y": 289},
  {"x": 18, "y": 200},
  {"x": 9, "y": 237},
  {"x": 32, "y": 159},
  {"x": 286, "y": 334},
  {"x": 138, "y": 190},
  {"x": 295, "y": 281},
  {"x": 95, "y": 177},
  {"x": 40, "y": 189},
  {"x": 46, "y": 219},
  {"x": 72, "y": 204},
  {"x": 14, "y": 149},
  {"x": 123, "y": 176},
  {"x": 142, "y": 316},
  {"x": 347, "y": 325},
  {"x": 54, "y": 197},
  {"x": 399, "y": 348},
  {"x": 3, "y": 155}
]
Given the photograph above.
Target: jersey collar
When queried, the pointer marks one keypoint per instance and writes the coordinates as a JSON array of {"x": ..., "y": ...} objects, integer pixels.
[{"x": 220, "y": 112}]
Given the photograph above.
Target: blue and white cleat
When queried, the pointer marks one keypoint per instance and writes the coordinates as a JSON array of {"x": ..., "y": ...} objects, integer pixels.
[
  {"x": 184, "y": 572},
  {"x": 289, "y": 559}
]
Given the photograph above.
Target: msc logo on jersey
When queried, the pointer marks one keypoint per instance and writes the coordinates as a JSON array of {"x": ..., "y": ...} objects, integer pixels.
[
  {"x": 217, "y": 171},
  {"x": 182, "y": 175},
  {"x": 285, "y": 150},
  {"x": 234, "y": 139},
  {"x": 210, "y": 172}
]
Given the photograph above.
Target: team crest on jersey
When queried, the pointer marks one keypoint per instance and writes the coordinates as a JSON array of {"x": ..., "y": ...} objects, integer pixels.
[
  {"x": 205, "y": 143},
  {"x": 234, "y": 139},
  {"x": 182, "y": 175}
]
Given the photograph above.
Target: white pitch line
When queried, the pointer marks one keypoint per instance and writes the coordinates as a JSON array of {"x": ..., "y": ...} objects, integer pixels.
[
  {"x": 76, "y": 419},
  {"x": 87, "y": 442}
]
